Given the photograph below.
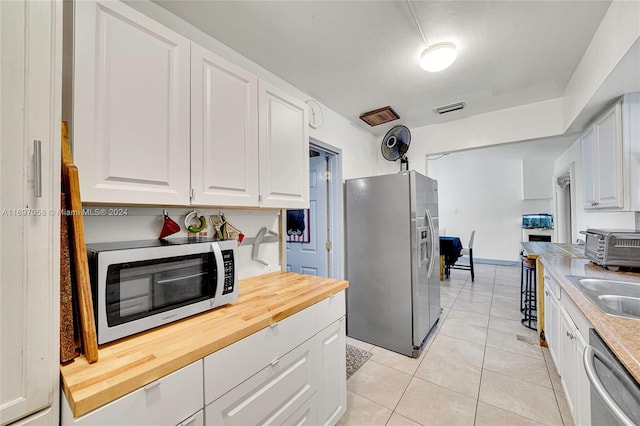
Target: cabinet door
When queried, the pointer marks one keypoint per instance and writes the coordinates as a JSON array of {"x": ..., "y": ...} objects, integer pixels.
[
  {"x": 332, "y": 397},
  {"x": 224, "y": 131},
  {"x": 587, "y": 146},
  {"x": 29, "y": 233},
  {"x": 131, "y": 107},
  {"x": 551, "y": 323},
  {"x": 284, "y": 149},
  {"x": 609, "y": 159},
  {"x": 566, "y": 357}
]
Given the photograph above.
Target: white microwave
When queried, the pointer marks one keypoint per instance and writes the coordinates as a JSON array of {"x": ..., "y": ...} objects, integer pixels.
[{"x": 139, "y": 285}]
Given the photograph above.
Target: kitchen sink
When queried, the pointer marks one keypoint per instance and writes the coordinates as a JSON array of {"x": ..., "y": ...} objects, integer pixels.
[{"x": 621, "y": 298}]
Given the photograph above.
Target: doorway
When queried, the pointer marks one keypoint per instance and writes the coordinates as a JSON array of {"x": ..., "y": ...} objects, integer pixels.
[
  {"x": 317, "y": 249},
  {"x": 563, "y": 208}
]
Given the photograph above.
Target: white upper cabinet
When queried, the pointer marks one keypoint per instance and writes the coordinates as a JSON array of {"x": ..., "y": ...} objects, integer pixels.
[
  {"x": 224, "y": 131},
  {"x": 610, "y": 161},
  {"x": 284, "y": 149},
  {"x": 160, "y": 120},
  {"x": 131, "y": 106}
]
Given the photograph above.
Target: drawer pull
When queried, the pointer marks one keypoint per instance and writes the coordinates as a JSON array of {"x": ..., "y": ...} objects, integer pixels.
[
  {"x": 152, "y": 385},
  {"x": 275, "y": 362},
  {"x": 190, "y": 421},
  {"x": 274, "y": 325}
]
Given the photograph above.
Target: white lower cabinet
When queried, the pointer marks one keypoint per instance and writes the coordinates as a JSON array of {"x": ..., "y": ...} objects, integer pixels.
[
  {"x": 567, "y": 334},
  {"x": 290, "y": 373},
  {"x": 171, "y": 400},
  {"x": 302, "y": 375}
]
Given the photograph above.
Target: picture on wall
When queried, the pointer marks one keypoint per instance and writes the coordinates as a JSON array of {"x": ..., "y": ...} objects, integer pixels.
[{"x": 298, "y": 226}]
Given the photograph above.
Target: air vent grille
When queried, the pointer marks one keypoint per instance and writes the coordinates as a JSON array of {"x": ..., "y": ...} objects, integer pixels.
[
  {"x": 444, "y": 109},
  {"x": 379, "y": 116}
]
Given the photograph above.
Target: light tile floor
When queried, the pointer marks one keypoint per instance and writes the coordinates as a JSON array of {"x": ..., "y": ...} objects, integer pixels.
[{"x": 480, "y": 366}]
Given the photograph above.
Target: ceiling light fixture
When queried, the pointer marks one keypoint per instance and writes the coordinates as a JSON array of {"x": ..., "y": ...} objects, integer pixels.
[{"x": 438, "y": 56}]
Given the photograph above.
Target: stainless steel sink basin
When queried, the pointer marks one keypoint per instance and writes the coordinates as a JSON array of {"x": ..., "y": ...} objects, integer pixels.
[{"x": 621, "y": 298}]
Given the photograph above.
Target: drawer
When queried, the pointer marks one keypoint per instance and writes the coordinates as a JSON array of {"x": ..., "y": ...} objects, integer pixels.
[
  {"x": 305, "y": 415},
  {"x": 167, "y": 401},
  {"x": 551, "y": 285},
  {"x": 293, "y": 330},
  {"x": 235, "y": 363},
  {"x": 229, "y": 366},
  {"x": 330, "y": 310},
  {"x": 272, "y": 395},
  {"x": 196, "y": 420}
]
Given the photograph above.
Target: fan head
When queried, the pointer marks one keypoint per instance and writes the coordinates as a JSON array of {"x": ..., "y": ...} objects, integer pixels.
[{"x": 396, "y": 143}]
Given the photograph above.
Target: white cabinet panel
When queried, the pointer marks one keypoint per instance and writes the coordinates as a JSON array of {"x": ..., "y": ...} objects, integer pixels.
[
  {"x": 284, "y": 149},
  {"x": 235, "y": 363},
  {"x": 587, "y": 147},
  {"x": 167, "y": 401},
  {"x": 30, "y": 34},
  {"x": 332, "y": 401},
  {"x": 566, "y": 361},
  {"x": 602, "y": 162},
  {"x": 551, "y": 318},
  {"x": 271, "y": 396},
  {"x": 224, "y": 131},
  {"x": 609, "y": 158},
  {"x": 131, "y": 106}
]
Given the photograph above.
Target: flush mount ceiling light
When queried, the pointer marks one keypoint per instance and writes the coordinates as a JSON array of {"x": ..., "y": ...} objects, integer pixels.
[{"x": 435, "y": 57}]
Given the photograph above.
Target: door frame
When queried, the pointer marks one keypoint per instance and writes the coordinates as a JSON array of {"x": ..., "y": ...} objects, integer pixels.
[{"x": 335, "y": 206}]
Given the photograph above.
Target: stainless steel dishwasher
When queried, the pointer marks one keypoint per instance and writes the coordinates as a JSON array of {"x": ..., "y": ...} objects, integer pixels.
[{"x": 615, "y": 394}]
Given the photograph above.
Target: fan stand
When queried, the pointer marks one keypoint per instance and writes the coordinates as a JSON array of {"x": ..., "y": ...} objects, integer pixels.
[{"x": 404, "y": 164}]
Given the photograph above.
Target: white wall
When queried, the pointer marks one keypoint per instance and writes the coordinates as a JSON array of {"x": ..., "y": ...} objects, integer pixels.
[
  {"x": 359, "y": 150},
  {"x": 482, "y": 190}
]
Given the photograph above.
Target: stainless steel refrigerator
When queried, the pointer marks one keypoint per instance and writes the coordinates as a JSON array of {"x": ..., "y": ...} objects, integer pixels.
[{"x": 393, "y": 266}]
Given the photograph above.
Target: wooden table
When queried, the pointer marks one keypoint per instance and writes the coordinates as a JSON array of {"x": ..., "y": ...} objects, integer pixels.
[{"x": 536, "y": 249}]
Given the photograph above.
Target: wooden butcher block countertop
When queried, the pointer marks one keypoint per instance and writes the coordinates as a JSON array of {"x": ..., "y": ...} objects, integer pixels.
[
  {"x": 535, "y": 249},
  {"x": 133, "y": 362}
]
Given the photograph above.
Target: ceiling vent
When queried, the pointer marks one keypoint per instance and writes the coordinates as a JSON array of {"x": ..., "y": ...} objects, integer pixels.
[
  {"x": 379, "y": 116},
  {"x": 457, "y": 106}
]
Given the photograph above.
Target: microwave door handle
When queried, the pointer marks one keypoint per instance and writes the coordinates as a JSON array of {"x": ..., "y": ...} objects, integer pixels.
[
  {"x": 172, "y": 280},
  {"x": 588, "y": 359},
  {"x": 217, "y": 253}
]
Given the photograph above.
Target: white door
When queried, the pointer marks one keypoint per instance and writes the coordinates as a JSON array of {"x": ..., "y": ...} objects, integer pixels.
[
  {"x": 224, "y": 132},
  {"x": 311, "y": 257},
  {"x": 131, "y": 107},
  {"x": 30, "y": 35}
]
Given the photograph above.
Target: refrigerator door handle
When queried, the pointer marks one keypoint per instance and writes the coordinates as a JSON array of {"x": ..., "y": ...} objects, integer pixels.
[{"x": 432, "y": 242}]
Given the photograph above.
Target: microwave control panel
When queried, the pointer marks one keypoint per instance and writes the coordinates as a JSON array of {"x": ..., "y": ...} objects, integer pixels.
[{"x": 229, "y": 272}]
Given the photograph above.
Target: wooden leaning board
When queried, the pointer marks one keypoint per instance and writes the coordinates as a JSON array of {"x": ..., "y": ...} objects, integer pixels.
[{"x": 71, "y": 185}]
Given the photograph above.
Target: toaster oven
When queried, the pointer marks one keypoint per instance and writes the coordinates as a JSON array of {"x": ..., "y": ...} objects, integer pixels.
[{"x": 613, "y": 247}]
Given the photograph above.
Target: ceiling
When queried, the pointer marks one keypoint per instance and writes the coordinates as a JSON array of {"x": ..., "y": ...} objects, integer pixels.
[{"x": 356, "y": 56}]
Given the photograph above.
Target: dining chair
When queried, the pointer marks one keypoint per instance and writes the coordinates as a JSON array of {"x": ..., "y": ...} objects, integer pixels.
[{"x": 467, "y": 252}]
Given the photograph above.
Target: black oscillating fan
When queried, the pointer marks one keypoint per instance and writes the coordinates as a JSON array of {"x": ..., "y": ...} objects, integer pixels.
[{"x": 395, "y": 145}]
